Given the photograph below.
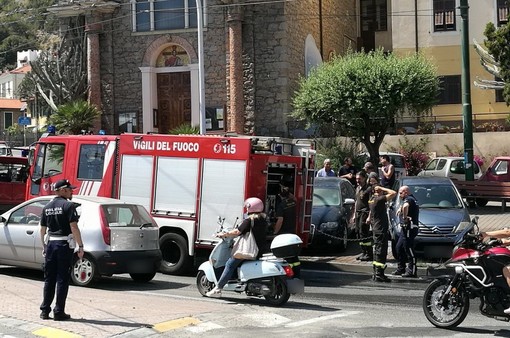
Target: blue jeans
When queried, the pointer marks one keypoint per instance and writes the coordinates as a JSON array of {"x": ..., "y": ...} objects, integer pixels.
[
  {"x": 57, "y": 268},
  {"x": 230, "y": 268}
]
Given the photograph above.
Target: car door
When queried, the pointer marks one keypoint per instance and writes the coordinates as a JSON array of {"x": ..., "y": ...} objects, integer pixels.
[
  {"x": 499, "y": 171},
  {"x": 347, "y": 191},
  {"x": 20, "y": 240}
]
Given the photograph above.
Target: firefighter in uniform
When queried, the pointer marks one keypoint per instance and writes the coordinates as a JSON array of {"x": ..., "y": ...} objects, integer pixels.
[
  {"x": 363, "y": 234},
  {"x": 60, "y": 219},
  {"x": 286, "y": 222},
  {"x": 409, "y": 215},
  {"x": 378, "y": 218}
]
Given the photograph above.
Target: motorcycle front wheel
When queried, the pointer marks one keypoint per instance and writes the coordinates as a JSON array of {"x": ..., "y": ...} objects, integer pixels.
[
  {"x": 446, "y": 313},
  {"x": 279, "y": 293},
  {"x": 203, "y": 284}
]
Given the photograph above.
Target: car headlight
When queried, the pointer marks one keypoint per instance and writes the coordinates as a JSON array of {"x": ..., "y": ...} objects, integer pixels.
[{"x": 461, "y": 227}]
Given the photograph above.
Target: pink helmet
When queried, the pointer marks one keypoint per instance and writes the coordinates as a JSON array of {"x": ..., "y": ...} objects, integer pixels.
[{"x": 254, "y": 204}]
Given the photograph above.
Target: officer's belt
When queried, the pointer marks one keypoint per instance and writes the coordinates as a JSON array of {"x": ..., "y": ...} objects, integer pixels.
[{"x": 58, "y": 238}]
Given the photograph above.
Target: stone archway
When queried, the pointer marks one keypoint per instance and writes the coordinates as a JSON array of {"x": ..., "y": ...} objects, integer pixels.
[{"x": 158, "y": 45}]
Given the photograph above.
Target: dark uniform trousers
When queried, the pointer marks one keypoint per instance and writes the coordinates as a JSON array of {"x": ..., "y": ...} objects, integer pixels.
[
  {"x": 363, "y": 234},
  {"x": 57, "y": 268},
  {"x": 405, "y": 249},
  {"x": 380, "y": 236}
]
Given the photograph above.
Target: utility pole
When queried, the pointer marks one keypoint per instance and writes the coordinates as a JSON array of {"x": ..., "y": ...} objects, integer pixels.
[
  {"x": 467, "y": 114},
  {"x": 201, "y": 70}
]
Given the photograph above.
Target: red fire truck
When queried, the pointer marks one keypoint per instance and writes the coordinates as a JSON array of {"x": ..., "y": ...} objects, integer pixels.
[{"x": 186, "y": 182}]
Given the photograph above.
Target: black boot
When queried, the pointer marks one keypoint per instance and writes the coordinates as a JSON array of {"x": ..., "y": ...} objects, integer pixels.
[
  {"x": 380, "y": 276},
  {"x": 368, "y": 256}
]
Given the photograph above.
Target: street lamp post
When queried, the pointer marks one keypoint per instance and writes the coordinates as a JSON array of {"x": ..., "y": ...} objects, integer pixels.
[{"x": 201, "y": 81}]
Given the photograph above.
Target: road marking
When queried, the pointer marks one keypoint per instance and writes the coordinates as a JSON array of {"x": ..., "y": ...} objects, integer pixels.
[
  {"x": 323, "y": 318},
  {"x": 266, "y": 319},
  {"x": 175, "y": 324},
  {"x": 52, "y": 332}
]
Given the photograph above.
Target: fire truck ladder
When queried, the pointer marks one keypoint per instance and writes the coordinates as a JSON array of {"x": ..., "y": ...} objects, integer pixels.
[{"x": 308, "y": 176}]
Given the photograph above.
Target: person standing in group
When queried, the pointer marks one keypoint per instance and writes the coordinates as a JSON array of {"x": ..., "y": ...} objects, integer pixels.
[
  {"x": 387, "y": 172},
  {"x": 360, "y": 217},
  {"x": 59, "y": 220},
  {"x": 326, "y": 170},
  {"x": 254, "y": 208},
  {"x": 348, "y": 171},
  {"x": 369, "y": 168},
  {"x": 378, "y": 218},
  {"x": 409, "y": 213},
  {"x": 286, "y": 222}
]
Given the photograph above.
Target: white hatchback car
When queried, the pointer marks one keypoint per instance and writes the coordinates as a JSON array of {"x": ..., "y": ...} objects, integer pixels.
[
  {"x": 118, "y": 237},
  {"x": 452, "y": 167}
]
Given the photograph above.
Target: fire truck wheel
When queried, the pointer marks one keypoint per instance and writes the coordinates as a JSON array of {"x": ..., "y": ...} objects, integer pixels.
[{"x": 174, "y": 249}]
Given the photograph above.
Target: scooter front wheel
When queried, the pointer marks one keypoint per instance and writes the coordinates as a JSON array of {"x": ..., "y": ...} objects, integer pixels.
[
  {"x": 203, "y": 284},
  {"x": 279, "y": 293}
]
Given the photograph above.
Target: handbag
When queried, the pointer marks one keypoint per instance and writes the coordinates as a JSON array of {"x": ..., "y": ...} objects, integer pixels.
[{"x": 245, "y": 246}]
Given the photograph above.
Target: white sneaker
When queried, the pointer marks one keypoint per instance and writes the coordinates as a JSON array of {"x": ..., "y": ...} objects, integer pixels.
[
  {"x": 216, "y": 292},
  {"x": 507, "y": 311}
]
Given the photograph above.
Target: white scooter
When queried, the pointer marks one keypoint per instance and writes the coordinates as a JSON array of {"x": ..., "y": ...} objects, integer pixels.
[{"x": 270, "y": 277}]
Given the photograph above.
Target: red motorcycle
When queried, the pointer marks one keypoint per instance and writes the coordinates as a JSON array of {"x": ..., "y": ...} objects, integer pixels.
[{"x": 478, "y": 274}]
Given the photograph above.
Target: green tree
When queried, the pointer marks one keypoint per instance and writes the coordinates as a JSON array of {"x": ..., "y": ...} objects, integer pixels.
[
  {"x": 74, "y": 117},
  {"x": 360, "y": 94},
  {"x": 498, "y": 46}
]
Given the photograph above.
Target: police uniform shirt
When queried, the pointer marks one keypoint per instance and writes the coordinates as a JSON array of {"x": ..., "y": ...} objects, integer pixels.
[
  {"x": 413, "y": 210},
  {"x": 57, "y": 216}
]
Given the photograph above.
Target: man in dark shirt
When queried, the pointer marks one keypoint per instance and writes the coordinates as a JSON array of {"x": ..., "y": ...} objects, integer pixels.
[
  {"x": 360, "y": 217},
  {"x": 59, "y": 219},
  {"x": 348, "y": 171}
]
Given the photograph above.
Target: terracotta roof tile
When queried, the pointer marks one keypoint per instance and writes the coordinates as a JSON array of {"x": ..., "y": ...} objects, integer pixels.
[{"x": 10, "y": 104}]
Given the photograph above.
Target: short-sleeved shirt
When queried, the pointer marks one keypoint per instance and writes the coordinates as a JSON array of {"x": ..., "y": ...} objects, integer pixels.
[
  {"x": 57, "y": 215},
  {"x": 413, "y": 211},
  {"x": 378, "y": 212},
  {"x": 362, "y": 197},
  {"x": 259, "y": 231},
  {"x": 346, "y": 170},
  {"x": 323, "y": 173},
  {"x": 287, "y": 209}
]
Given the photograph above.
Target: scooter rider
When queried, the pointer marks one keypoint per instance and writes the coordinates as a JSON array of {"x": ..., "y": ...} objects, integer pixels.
[
  {"x": 409, "y": 215},
  {"x": 254, "y": 208},
  {"x": 360, "y": 216}
]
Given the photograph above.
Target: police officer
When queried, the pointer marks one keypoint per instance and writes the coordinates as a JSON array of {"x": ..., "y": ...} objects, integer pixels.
[
  {"x": 59, "y": 220},
  {"x": 360, "y": 217},
  {"x": 409, "y": 215}
]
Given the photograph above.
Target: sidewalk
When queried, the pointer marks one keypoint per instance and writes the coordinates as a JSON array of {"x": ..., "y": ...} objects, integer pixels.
[{"x": 491, "y": 218}]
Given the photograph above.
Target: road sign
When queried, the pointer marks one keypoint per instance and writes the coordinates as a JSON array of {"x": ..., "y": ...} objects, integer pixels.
[{"x": 24, "y": 121}]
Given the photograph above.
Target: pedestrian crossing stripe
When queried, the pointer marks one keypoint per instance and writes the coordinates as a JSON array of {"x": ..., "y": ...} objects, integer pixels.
[
  {"x": 52, "y": 332},
  {"x": 175, "y": 324}
]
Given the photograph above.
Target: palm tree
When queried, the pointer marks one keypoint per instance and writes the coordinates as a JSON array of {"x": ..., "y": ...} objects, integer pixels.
[{"x": 74, "y": 117}]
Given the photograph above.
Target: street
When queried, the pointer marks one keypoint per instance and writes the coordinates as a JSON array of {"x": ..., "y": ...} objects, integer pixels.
[{"x": 334, "y": 305}]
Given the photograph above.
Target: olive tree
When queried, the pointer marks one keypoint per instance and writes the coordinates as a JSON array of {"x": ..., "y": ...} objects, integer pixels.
[{"x": 361, "y": 94}]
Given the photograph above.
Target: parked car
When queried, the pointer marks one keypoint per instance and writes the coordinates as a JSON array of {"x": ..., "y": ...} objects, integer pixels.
[
  {"x": 442, "y": 211},
  {"x": 332, "y": 209},
  {"x": 118, "y": 237},
  {"x": 452, "y": 167},
  {"x": 398, "y": 161},
  {"x": 496, "y": 172},
  {"x": 13, "y": 177}
]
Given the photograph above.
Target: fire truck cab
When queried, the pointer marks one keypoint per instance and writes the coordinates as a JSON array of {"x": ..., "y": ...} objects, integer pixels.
[{"x": 186, "y": 182}]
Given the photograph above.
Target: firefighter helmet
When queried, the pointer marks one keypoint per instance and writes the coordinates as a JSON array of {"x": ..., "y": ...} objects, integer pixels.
[{"x": 253, "y": 204}]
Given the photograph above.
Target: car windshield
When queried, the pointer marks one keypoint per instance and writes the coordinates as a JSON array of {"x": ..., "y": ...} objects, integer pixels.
[
  {"x": 436, "y": 196},
  {"x": 397, "y": 161},
  {"x": 326, "y": 197}
]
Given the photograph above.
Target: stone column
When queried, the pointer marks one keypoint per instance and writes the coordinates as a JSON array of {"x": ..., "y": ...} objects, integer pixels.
[
  {"x": 236, "y": 114},
  {"x": 92, "y": 29}
]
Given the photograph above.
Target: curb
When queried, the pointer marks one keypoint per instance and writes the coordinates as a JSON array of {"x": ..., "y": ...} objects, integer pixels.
[{"x": 426, "y": 271}]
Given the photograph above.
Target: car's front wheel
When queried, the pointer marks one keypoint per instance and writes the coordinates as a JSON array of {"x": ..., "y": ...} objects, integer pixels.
[
  {"x": 142, "y": 277},
  {"x": 83, "y": 271}
]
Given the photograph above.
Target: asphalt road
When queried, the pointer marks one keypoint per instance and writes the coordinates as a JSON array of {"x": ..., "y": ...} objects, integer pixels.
[{"x": 335, "y": 304}]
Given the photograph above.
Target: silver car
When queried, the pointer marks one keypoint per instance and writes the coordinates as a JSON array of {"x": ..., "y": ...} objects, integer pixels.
[{"x": 118, "y": 237}]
